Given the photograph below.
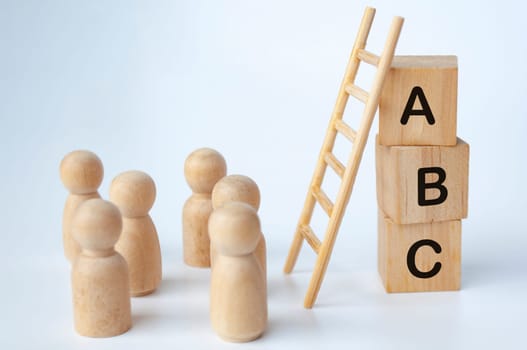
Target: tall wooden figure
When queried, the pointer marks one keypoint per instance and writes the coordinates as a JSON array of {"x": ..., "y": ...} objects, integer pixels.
[
  {"x": 238, "y": 296},
  {"x": 134, "y": 192},
  {"x": 81, "y": 173},
  {"x": 101, "y": 297},
  {"x": 203, "y": 168},
  {"x": 239, "y": 188}
]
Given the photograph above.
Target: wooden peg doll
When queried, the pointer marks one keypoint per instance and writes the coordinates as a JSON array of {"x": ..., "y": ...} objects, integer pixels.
[
  {"x": 238, "y": 299},
  {"x": 134, "y": 193},
  {"x": 203, "y": 168},
  {"x": 81, "y": 173},
  {"x": 99, "y": 276},
  {"x": 239, "y": 188}
]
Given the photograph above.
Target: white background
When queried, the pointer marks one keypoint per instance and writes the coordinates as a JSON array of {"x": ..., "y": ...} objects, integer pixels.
[{"x": 143, "y": 84}]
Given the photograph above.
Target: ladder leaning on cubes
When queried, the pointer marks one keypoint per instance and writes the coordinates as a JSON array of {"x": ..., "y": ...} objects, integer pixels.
[{"x": 358, "y": 138}]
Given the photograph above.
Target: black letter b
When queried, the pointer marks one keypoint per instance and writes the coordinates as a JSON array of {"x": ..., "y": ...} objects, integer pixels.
[{"x": 422, "y": 185}]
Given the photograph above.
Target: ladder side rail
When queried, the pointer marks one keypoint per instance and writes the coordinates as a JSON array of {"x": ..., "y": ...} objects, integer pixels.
[
  {"x": 353, "y": 164},
  {"x": 329, "y": 140}
]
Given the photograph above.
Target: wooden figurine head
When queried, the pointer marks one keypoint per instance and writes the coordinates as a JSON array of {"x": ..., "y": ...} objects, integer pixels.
[
  {"x": 97, "y": 225},
  {"x": 234, "y": 229},
  {"x": 134, "y": 192},
  {"x": 203, "y": 168},
  {"x": 81, "y": 172},
  {"x": 236, "y": 188}
]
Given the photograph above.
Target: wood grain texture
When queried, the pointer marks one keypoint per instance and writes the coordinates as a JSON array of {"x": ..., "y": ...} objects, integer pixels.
[
  {"x": 394, "y": 243},
  {"x": 73, "y": 201},
  {"x": 203, "y": 168},
  {"x": 239, "y": 188},
  {"x": 196, "y": 242},
  {"x": 359, "y": 138},
  {"x": 99, "y": 276},
  {"x": 397, "y": 181},
  {"x": 438, "y": 78},
  {"x": 81, "y": 173},
  {"x": 139, "y": 245},
  {"x": 134, "y": 193},
  {"x": 238, "y": 293}
]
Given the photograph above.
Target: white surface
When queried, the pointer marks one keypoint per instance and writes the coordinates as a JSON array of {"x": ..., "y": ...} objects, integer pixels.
[{"x": 143, "y": 84}]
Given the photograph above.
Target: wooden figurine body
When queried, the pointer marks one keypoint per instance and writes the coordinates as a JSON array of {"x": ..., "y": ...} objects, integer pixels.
[
  {"x": 238, "y": 300},
  {"x": 100, "y": 283},
  {"x": 203, "y": 168},
  {"x": 239, "y": 188},
  {"x": 81, "y": 173},
  {"x": 134, "y": 193}
]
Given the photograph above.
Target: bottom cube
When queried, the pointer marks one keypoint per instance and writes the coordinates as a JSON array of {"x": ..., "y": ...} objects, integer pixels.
[{"x": 419, "y": 257}]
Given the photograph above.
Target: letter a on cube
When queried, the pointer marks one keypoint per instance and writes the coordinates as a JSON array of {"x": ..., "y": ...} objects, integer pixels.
[{"x": 418, "y": 105}]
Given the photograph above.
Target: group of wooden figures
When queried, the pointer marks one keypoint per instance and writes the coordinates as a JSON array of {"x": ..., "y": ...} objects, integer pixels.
[
  {"x": 115, "y": 253},
  {"x": 422, "y": 190},
  {"x": 221, "y": 230},
  {"x": 422, "y": 176}
]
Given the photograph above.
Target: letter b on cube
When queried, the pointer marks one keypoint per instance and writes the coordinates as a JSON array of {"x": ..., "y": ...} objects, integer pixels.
[{"x": 421, "y": 184}]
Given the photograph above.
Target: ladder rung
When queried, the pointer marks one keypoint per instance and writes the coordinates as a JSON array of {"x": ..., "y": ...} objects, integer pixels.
[
  {"x": 356, "y": 92},
  {"x": 310, "y": 237},
  {"x": 345, "y": 130},
  {"x": 323, "y": 199},
  {"x": 334, "y": 163},
  {"x": 368, "y": 57},
  {"x": 359, "y": 138}
]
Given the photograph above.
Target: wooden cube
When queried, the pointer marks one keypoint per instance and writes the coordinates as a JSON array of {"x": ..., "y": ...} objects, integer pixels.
[
  {"x": 417, "y": 184},
  {"x": 418, "y": 105},
  {"x": 419, "y": 257}
]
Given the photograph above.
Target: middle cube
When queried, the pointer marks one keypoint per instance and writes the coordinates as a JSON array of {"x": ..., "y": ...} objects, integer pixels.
[{"x": 421, "y": 184}]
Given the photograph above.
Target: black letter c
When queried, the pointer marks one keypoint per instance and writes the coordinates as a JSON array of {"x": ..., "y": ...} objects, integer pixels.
[{"x": 410, "y": 259}]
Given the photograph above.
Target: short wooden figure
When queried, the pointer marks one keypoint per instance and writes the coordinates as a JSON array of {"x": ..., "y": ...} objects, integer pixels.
[
  {"x": 239, "y": 188},
  {"x": 417, "y": 184},
  {"x": 418, "y": 104},
  {"x": 238, "y": 296},
  {"x": 134, "y": 193},
  {"x": 81, "y": 173},
  {"x": 419, "y": 257},
  {"x": 100, "y": 283},
  {"x": 203, "y": 168}
]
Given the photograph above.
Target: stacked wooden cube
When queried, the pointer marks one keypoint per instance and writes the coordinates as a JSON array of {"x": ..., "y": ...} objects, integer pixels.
[{"x": 422, "y": 176}]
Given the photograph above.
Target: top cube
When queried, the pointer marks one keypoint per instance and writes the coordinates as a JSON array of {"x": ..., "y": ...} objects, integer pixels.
[{"x": 418, "y": 105}]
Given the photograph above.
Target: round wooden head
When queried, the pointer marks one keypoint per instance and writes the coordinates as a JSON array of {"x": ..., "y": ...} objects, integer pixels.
[
  {"x": 236, "y": 188},
  {"x": 234, "y": 229},
  {"x": 203, "y": 168},
  {"x": 81, "y": 172},
  {"x": 96, "y": 225},
  {"x": 134, "y": 192}
]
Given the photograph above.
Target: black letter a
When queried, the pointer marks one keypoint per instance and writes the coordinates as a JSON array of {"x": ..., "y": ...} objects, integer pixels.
[{"x": 417, "y": 92}]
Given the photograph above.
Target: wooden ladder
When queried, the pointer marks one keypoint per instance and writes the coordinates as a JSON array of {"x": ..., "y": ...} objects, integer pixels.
[{"x": 335, "y": 211}]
